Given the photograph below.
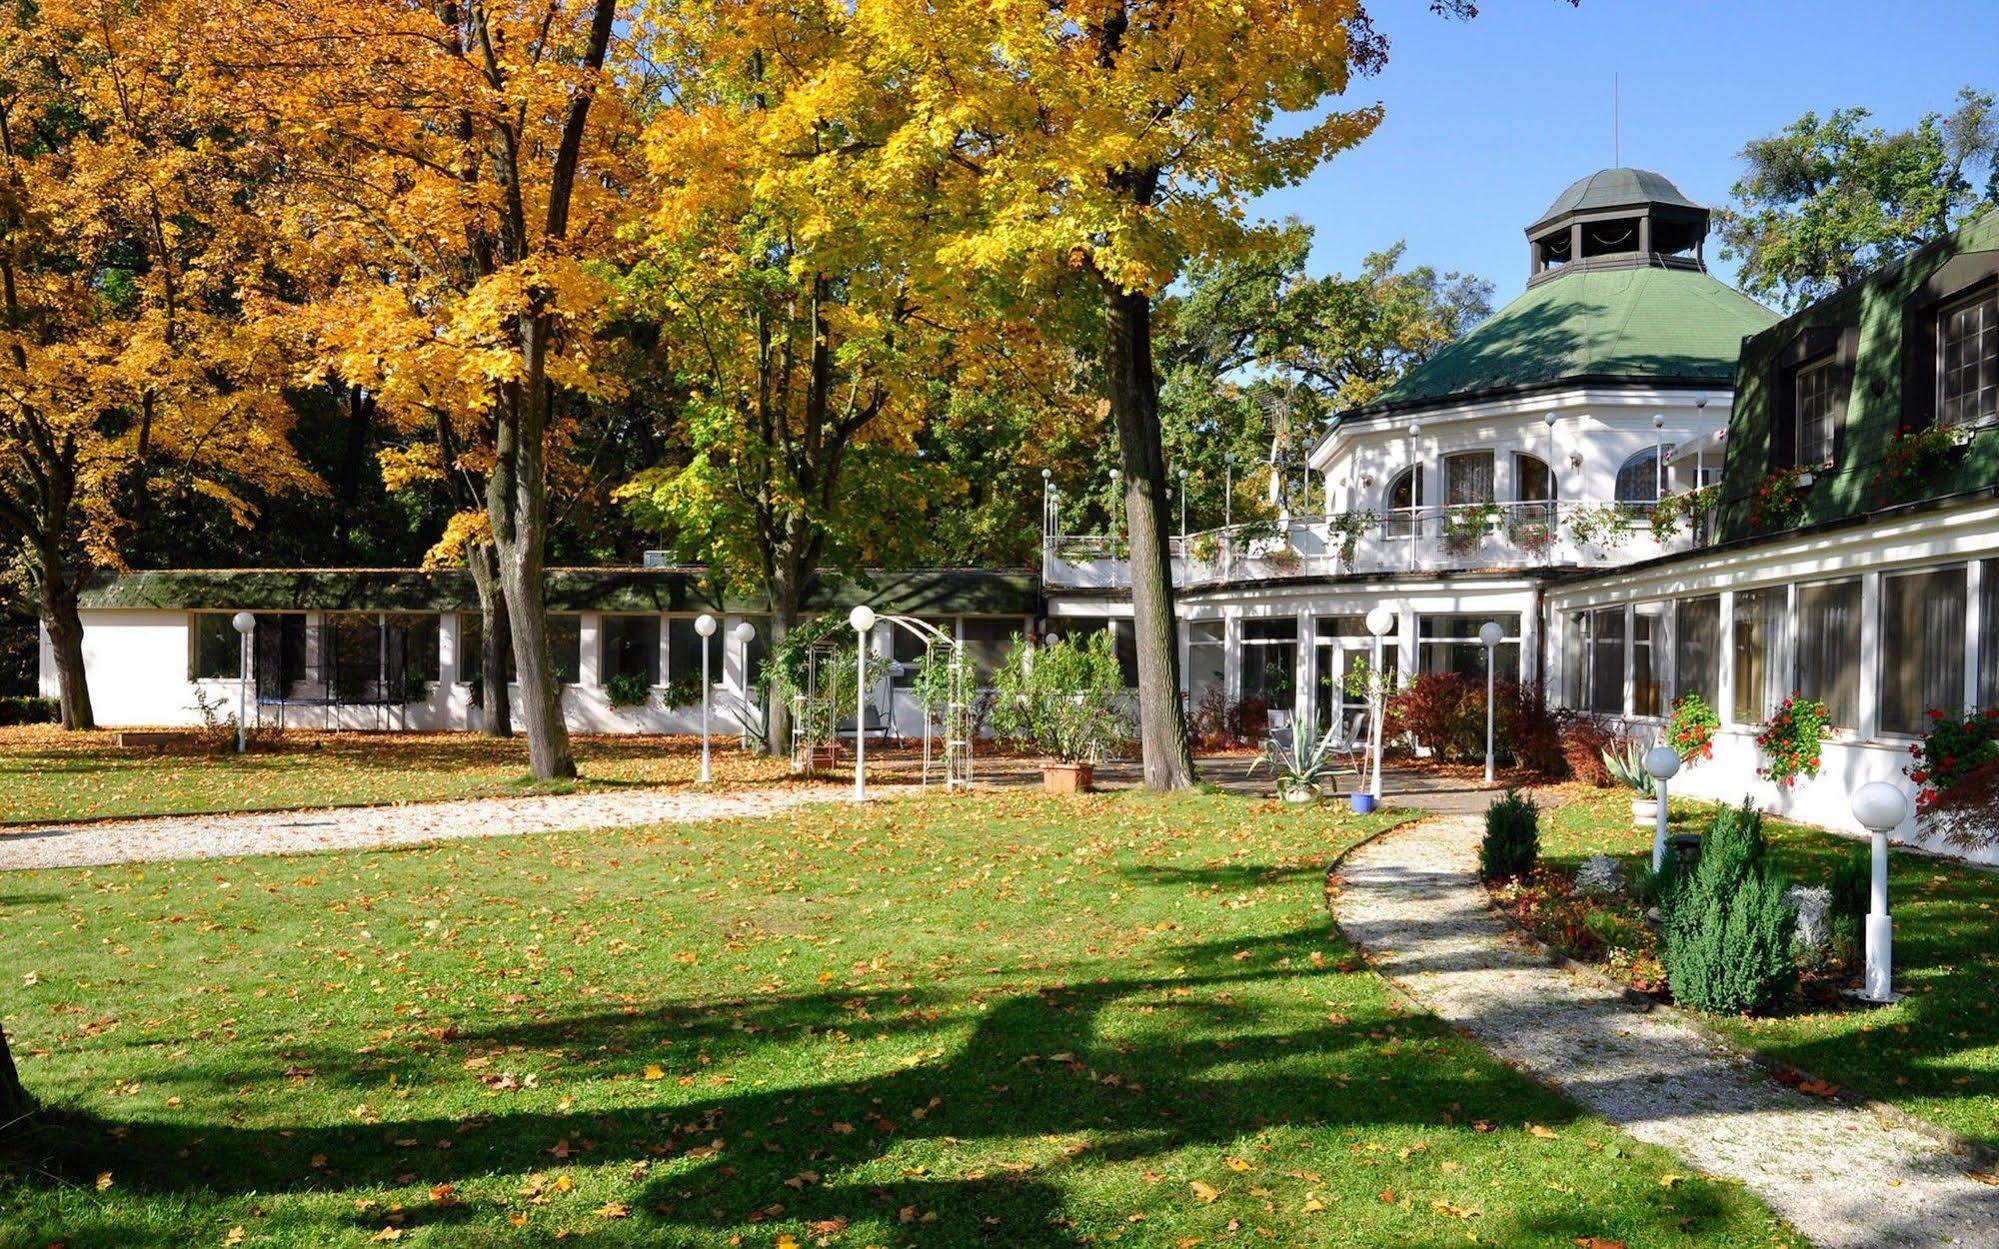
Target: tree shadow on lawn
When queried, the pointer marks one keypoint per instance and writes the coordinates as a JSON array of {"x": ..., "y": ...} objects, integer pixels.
[{"x": 1214, "y": 1061}]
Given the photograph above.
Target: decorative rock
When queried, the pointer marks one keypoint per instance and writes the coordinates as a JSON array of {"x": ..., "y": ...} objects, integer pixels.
[{"x": 1812, "y": 941}]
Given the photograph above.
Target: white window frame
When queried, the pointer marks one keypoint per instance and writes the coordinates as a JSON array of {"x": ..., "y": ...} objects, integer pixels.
[
  {"x": 1820, "y": 411},
  {"x": 1989, "y": 296}
]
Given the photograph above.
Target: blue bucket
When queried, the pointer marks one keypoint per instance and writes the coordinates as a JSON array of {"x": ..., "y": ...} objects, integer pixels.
[{"x": 1362, "y": 803}]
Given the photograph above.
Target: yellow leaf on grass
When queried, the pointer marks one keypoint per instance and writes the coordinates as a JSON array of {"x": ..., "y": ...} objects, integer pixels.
[
  {"x": 1669, "y": 1180},
  {"x": 103, "y": 1180},
  {"x": 1546, "y": 1134},
  {"x": 235, "y": 1236},
  {"x": 1240, "y": 1164},
  {"x": 389, "y": 1233},
  {"x": 655, "y": 1072},
  {"x": 1206, "y": 1192}
]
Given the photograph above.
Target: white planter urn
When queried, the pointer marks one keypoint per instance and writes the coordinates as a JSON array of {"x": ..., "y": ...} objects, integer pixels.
[{"x": 1644, "y": 812}]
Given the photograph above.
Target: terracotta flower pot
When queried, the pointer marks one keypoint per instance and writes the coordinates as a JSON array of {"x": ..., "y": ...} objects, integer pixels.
[{"x": 1068, "y": 778}]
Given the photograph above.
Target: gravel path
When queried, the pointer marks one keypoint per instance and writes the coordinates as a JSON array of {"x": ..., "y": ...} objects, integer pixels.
[
  {"x": 1835, "y": 1172},
  {"x": 344, "y": 828}
]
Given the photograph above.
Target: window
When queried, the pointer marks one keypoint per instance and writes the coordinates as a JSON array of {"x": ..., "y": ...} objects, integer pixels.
[
  {"x": 1468, "y": 479},
  {"x": 1759, "y": 626},
  {"x": 215, "y": 648},
  {"x": 1648, "y": 623},
  {"x": 1270, "y": 661},
  {"x": 683, "y": 652},
  {"x": 1922, "y": 648},
  {"x": 1988, "y": 635},
  {"x": 471, "y": 646},
  {"x": 565, "y": 645},
  {"x": 629, "y": 644},
  {"x": 1533, "y": 483},
  {"x": 412, "y": 642},
  {"x": 1968, "y": 361},
  {"x": 1696, "y": 635},
  {"x": 279, "y": 643},
  {"x": 352, "y": 655},
  {"x": 1638, "y": 480},
  {"x": 1606, "y": 664},
  {"x": 1815, "y": 403},
  {"x": 756, "y": 651},
  {"x": 908, "y": 647},
  {"x": 987, "y": 641},
  {"x": 1406, "y": 491},
  {"x": 1829, "y": 648},
  {"x": 1450, "y": 644},
  {"x": 1207, "y": 650}
]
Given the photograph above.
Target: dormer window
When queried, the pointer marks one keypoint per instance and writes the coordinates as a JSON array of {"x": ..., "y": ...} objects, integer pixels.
[
  {"x": 1968, "y": 360},
  {"x": 1816, "y": 404}
]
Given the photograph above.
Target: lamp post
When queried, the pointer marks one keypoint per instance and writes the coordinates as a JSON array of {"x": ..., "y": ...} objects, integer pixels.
[
  {"x": 1880, "y": 807},
  {"x": 704, "y": 624},
  {"x": 1415, "y": 493},
  {"x": 863, "y": 620},
  {"x": 244, "y": 623},
  {"x": 745, "y": 633},
  {"x": 1183, "y": 505},
  {"x": 1228, "y": 491},
  {"x": 1663, "y": 764},
  {"x": 1379, "y": 621},
  {"x": 1116, "y": 476},
  {"x": 1658, "y": 455},
  {"x": 1048, "y": 518},
  {"x": 1489, "y": 635}
]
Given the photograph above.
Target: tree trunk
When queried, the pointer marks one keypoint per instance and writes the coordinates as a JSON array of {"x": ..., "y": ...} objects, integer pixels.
[
  {"x": 496, "y": 716},
  {"x": 14, "y": 1100},
  {"x": 55, "y": 594},
  {"x": 784, "y": 596},
  {"x": 1134, "y": 400},
  {"x": 353, "y": 454}
]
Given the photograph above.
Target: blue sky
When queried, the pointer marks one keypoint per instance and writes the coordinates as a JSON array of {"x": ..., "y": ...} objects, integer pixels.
[{"x": 1488, "y": 120}]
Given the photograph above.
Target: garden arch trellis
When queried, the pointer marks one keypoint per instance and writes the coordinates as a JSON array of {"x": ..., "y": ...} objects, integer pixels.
[{"x": 816, "y": 710}]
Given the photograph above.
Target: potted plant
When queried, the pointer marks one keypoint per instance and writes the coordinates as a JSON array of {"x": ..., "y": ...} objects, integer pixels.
[
  {"x": 1299, "y": 765},
  {"x": 1793, "y": 739},
  {"x": 1779, "y": 501},
  {"x": 1284, "y": 559},
  {"x": 1691, "y": 730},
  {"x": 1064, "y": 698},
  {"x": 1530, "y": 534},
  {"x": 1626, "y": 765},
  {"x": 1466, "y": 526},
  {"x": 1604, "y": 525},
  {"x": 627, "y": 690}
]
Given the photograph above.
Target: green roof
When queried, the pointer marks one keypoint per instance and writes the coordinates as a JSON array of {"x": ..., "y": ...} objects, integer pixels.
[
  {"x": 1614, "y": 188},
  {"x": 923, "y": 591},
  {"x": 1629, "y": 325}
]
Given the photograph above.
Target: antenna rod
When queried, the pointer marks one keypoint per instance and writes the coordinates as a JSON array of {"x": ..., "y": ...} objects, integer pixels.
[{"x": 1616, "y": 124}]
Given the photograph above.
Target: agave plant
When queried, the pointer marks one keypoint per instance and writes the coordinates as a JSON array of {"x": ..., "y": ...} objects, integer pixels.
[
  {"x": 1626, "y": 764},
  {"x": 1298, "y": 764}
]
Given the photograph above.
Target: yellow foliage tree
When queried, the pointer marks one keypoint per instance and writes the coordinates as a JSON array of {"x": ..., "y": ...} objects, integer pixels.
[
  {"x": 137, "y": 257},
  {"x": 458, "y": 170}
]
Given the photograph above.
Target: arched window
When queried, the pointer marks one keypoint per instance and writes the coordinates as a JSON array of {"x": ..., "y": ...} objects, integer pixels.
[
  {"x": 1638, "y": 481},
  {"x": 1406, "y": 490},
  {"x": 1532, "y": 481}
]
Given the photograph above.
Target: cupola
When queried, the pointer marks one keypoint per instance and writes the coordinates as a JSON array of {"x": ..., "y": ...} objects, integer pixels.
[{"x": 1618, "y": 219}]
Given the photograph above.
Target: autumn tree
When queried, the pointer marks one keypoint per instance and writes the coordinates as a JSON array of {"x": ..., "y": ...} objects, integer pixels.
[
  {"x": 135, "y": 257},
  {"x": 460, "y": 166},
  {"x": 811, "y": 334},
  {"x": 1828, "y": 199}
]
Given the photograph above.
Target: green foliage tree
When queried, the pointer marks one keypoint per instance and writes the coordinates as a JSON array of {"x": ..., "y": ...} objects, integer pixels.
[
  {"x": 1728, "y": 926},
  {"x": 1826, "y": 199},
  {"x": 1512, "y": 837}
]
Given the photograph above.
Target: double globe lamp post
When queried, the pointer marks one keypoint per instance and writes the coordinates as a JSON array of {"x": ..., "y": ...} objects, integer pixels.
[{"x": 705, "y": 625}]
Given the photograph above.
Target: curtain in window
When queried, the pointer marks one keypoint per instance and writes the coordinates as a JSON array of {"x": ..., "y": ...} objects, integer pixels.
[
  {"x": 1759, "y": 619},
  {"x": 1829, "y": 648},
  {"x": 1647, "y": 630},
  {"x": 1988, "y": 635},
  {"x": 1922, "y": 648},
  {"x": 1696, "y": 634},
  {"x": 1638, "y": 479},
  {"x": 1469, "y": 479}
]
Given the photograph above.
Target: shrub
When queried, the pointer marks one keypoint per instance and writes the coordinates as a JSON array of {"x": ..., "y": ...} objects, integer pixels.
[
  {"x": 1626, "y": 764},
  {"x": 1512, "y": 837},
  {"x": 1793, "y": 740},
  {"x": 1691, "y": 731},
  {"x": 1064, "y": 698},
  {"x": 1583, "y": 742},
  {"x": 1729, "y": 928},
  {"x": 1956, "y": 771},
  {"x": 628, "y": 689},
  {"x": 1446, "y": 712},
  {"x": 23, "y": 709},
  {"x": 1811, "y": 940},
  {"x": 1650, "y": 888},
  {"x": 1529, "y": 733}
]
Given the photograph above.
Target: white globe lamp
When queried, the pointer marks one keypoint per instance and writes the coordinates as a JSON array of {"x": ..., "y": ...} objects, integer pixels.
[
  {"x": 1663, "y": 764},
  {"x": 1490, "y": 634},
  {"x": 862, "y": 618},
  {"x": 1880, "y": 807}
]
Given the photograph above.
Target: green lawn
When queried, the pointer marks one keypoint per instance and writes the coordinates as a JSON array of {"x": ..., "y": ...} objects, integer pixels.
[
  {"x": 46, "y": 774},
  {"x": 1934, "y": 1054},
  {"x": 993, "y": 1021}
]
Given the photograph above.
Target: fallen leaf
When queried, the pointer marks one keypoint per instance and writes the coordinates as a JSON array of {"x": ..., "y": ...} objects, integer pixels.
[
  {"x": 388, "y": 1233},
  {"x": 103, "y": 1180},
  {"x": 1206, "y": 1192},
  {"x": 1670, "y": 1180},
  {"x": 655, "y": 1072},
  {"x": 235, "y": 1236},
  {"x": 612, "y": 1210},
  {"x": 1546, "y": 1134}
]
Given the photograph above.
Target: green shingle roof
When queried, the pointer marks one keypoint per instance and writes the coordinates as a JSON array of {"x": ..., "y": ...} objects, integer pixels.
[
  {"x": 1614, "y": 188},
  {"x": 1637, "y": 324}
]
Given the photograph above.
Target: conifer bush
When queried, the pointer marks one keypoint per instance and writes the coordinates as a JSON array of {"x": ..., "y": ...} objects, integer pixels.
[
  {"x": 1512, "y": 837},
  {"x": 1728, "y": 930}
]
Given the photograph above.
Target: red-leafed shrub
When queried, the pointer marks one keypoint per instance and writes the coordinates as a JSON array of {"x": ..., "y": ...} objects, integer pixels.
[
  {"x": 1584, "y": 741},
  {"x": 1445, "y": 711}
]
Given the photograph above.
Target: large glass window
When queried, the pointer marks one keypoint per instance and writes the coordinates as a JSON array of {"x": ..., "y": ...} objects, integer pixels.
[
  {"x": 629, "y": 644},
  {"x": 1829, "y": 648},
  {"x": 1468, "y": 479},
  {"x": 1450, "y": 644},
  {"x": 215, "y": 650},
  {"x": 1815, "y": 402},
  {"x": 1639, "y": 478},
  {"x": 280, "y": 654},
  {"x": 1696, "y": 635},
  {"x": 683, "y": 652},
  {"x": 1759, "y": 628},
  {"x": 1207, "y": 652},
  {"x": 471, "y": 646},
  {"x": 1648, "y": 628},
  {"x": 1922, "y": 648},
  {"x": 1606, "y": 662},
  {"x": 1988, "y": 635},
  {"x": 1270, "y": 661},
  {"x": 987, "y": 641},
  {"x": 565, "y": 645},
  {"x": 1968, "y": 361},
  {"x": 353, "y": 657},
  {"x": 908, "y": 647}
]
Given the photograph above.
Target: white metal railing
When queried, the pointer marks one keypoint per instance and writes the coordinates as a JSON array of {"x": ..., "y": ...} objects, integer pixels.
[{"x": 1569, "y": 533}]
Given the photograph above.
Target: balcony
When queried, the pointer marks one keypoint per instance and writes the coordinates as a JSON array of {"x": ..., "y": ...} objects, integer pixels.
[{"x": 1493, "y": 536}]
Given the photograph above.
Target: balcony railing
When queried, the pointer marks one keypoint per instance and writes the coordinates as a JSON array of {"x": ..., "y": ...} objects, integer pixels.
[{"x": 1570, "y": 533}]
